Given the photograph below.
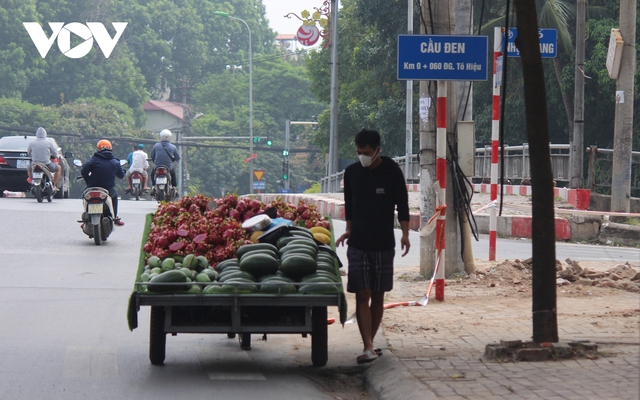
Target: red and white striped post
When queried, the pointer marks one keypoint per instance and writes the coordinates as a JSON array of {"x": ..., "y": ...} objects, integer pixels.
[
  {"x": 495, "y": 135},
  {"x": 441, "y": 175}
]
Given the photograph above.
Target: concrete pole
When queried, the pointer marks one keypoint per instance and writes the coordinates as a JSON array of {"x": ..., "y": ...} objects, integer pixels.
[
  {"x": 440, "y": 18},
  {"x": 623, "y": 129},
  {"x": 333, "y": 128},
  {"x": 427, "y": 159},
  {"x": 287, "y": 135},
  {"x": 409, "y": 103},
  {"x": 577, "y": 142}
]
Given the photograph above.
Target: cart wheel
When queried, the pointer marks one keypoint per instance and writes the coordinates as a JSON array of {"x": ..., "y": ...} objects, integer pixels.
[
  {"x": 231, "y": 335},
  {"x": 319, "y": 337},
  {"x": 157, "y": 336},
  {"x": 245, "y": 341}
]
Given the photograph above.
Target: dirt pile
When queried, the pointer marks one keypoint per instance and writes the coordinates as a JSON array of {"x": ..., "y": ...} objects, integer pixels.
[{"x": 518, "y": 273}]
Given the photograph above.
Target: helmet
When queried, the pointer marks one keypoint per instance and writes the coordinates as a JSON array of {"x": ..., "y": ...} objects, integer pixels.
[
  {"x": 165, "y": 135},
  {"x": 104, "y": 144},
  {"x": 140, "y": 146}
]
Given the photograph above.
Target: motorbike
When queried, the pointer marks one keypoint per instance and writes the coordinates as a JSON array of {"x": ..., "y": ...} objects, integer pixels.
[
  {"x": 42, "y": 182},
  {"x": 163, "y": 188},
  {"x": 98, "y": 216},
  {"x": 136, "y": 185}
]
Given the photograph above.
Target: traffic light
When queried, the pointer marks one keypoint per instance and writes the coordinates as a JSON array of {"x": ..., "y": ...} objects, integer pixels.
[
  {"x": 269, "y": 138},
  {"x": 285, "y": 170},
  {"x": 285, "y": 153}
]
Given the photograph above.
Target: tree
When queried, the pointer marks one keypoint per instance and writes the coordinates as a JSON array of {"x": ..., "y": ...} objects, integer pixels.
[
  {"x": 545, "y": 325},
  {"x": 370, "y": 94},
  {"x": 281, "y": 91}
]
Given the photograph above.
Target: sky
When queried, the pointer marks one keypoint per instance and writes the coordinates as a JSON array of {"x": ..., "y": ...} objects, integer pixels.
[{"x": 276, "y": 9}]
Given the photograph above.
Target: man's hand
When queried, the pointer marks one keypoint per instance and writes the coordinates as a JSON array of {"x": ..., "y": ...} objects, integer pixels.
[
  {"x": 405, "y": 244},
  {"x": 343, "y": 239}
]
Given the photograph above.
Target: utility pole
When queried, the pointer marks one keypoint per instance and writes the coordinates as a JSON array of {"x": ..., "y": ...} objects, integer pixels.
[
  {"x": 285, "y": 153},
  {"x": 577, "y": 143},
  {"x": 183, "y": 131},
  {"x": 333, "y": 128},
  {"x": 409, "y": 104},
  {"x": 623, "y": 128}
]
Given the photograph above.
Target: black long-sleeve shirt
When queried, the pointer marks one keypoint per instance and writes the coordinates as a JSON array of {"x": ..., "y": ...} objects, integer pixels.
[{"x": 371, "y": 197}]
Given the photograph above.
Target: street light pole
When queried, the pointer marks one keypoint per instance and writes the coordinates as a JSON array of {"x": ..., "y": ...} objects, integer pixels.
[{"x": 226, "y": 15}]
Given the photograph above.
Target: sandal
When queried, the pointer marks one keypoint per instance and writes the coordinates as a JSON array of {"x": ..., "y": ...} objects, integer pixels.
[
  {"x": 366, "y": 357},
  {"x": 378, "y": 352}
]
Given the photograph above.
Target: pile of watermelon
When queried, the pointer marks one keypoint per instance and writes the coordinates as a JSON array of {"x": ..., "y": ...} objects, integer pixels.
[{"x": 295, "y": 265}]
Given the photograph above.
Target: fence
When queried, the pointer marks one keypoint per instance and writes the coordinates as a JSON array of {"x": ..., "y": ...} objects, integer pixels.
[
  {"x": 600, "y": 171},
  {"x": 517, "y": 168}
]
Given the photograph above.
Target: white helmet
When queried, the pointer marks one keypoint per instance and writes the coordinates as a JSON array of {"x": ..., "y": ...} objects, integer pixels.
[{"x": 165, "y": 135}]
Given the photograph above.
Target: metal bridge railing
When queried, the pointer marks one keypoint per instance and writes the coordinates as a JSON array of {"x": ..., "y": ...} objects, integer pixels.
[{"x": 517, "y": 167}]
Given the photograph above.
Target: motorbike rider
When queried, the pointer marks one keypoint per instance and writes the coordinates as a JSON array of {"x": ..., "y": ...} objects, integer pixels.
[
  {"x": 130, "y": 156},
  {"x": 44, "y": 151},
  {"x": 101, "y": 170},
  {"x": 164, "y": 154},
  {"x": 139, "y": 163}
]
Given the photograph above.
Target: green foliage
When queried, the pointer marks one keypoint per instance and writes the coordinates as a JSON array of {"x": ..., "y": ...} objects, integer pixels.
[
  {"x": 280, "y": 92},
  {"x": 315, "y": 188}
]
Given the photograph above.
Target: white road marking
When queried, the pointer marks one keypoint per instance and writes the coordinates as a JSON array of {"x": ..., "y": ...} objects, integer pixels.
[
  {"x": 90, "y": 362},
  {"x": 224, "y": 367}
]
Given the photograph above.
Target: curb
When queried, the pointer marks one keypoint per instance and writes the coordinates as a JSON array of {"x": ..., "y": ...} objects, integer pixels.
[
  {"x": 389, "y": 379},
  {"x": 579, "y": 198},
  {"x": 520, "y": 226},
  {"x": 508, "y": 225}
]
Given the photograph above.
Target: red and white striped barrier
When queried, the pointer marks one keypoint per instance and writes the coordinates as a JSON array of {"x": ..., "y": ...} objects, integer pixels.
[
  {"x": 579, "y": 198},
  {"x": 495, "y": 134},
  {"x": 441, "y": 176}
]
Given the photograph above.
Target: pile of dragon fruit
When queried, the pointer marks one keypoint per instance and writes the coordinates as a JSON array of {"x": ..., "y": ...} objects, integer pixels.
[{"x": 212, "y": 227}]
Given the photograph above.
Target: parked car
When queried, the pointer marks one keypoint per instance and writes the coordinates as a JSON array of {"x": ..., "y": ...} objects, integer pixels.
[{"x": 14, "y": 163}]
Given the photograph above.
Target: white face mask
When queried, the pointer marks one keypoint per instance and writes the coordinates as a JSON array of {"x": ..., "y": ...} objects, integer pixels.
[{"x": 367, "y": 160}]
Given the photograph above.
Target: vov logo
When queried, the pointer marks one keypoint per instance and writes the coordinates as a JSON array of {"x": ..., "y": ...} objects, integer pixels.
[{"x": 88, "y": 32}]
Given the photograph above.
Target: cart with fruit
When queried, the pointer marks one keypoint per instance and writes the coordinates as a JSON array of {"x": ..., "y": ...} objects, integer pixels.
[{"x": 205, "y": 267}]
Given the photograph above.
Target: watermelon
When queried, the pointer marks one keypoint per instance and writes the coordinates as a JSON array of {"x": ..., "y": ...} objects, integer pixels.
[
  {"x": 298, "y": 266},
  {"x": 259, "y": 264}
]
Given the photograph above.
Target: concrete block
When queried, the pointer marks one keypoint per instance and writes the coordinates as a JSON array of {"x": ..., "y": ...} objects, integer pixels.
[
  {"x": 493, "y": 351},
  {"x": 511, "y": 344},
  {"x": 627, "y": 235},
  {"x": 584, "y": 227},
  {"x": 584, "y": 345},
  {"x": 541, "y": 354},
  {"x": 562, "y": 350}
]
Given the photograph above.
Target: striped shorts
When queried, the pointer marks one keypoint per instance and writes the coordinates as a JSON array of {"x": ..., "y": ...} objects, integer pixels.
[{"x": 372, "y": 270}]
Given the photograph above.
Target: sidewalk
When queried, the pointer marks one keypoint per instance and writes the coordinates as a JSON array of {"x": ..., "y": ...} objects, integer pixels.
[{"x": 437, "y": 351}]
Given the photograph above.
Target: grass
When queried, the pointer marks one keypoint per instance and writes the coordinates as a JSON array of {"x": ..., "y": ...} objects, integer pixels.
[{"x": 631, "y": 221}]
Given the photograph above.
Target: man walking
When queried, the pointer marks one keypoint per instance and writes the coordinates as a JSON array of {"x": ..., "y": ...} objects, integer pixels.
[{"x": 373, "y": 188}]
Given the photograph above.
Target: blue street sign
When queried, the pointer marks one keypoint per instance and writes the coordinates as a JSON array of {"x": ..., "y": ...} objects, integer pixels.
[
  {"x": 285, "y": 190},
  {"x": 548, "y": 42},
  {"x": 259, "y": 184},
  {"x": 443, "y": 57}
]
